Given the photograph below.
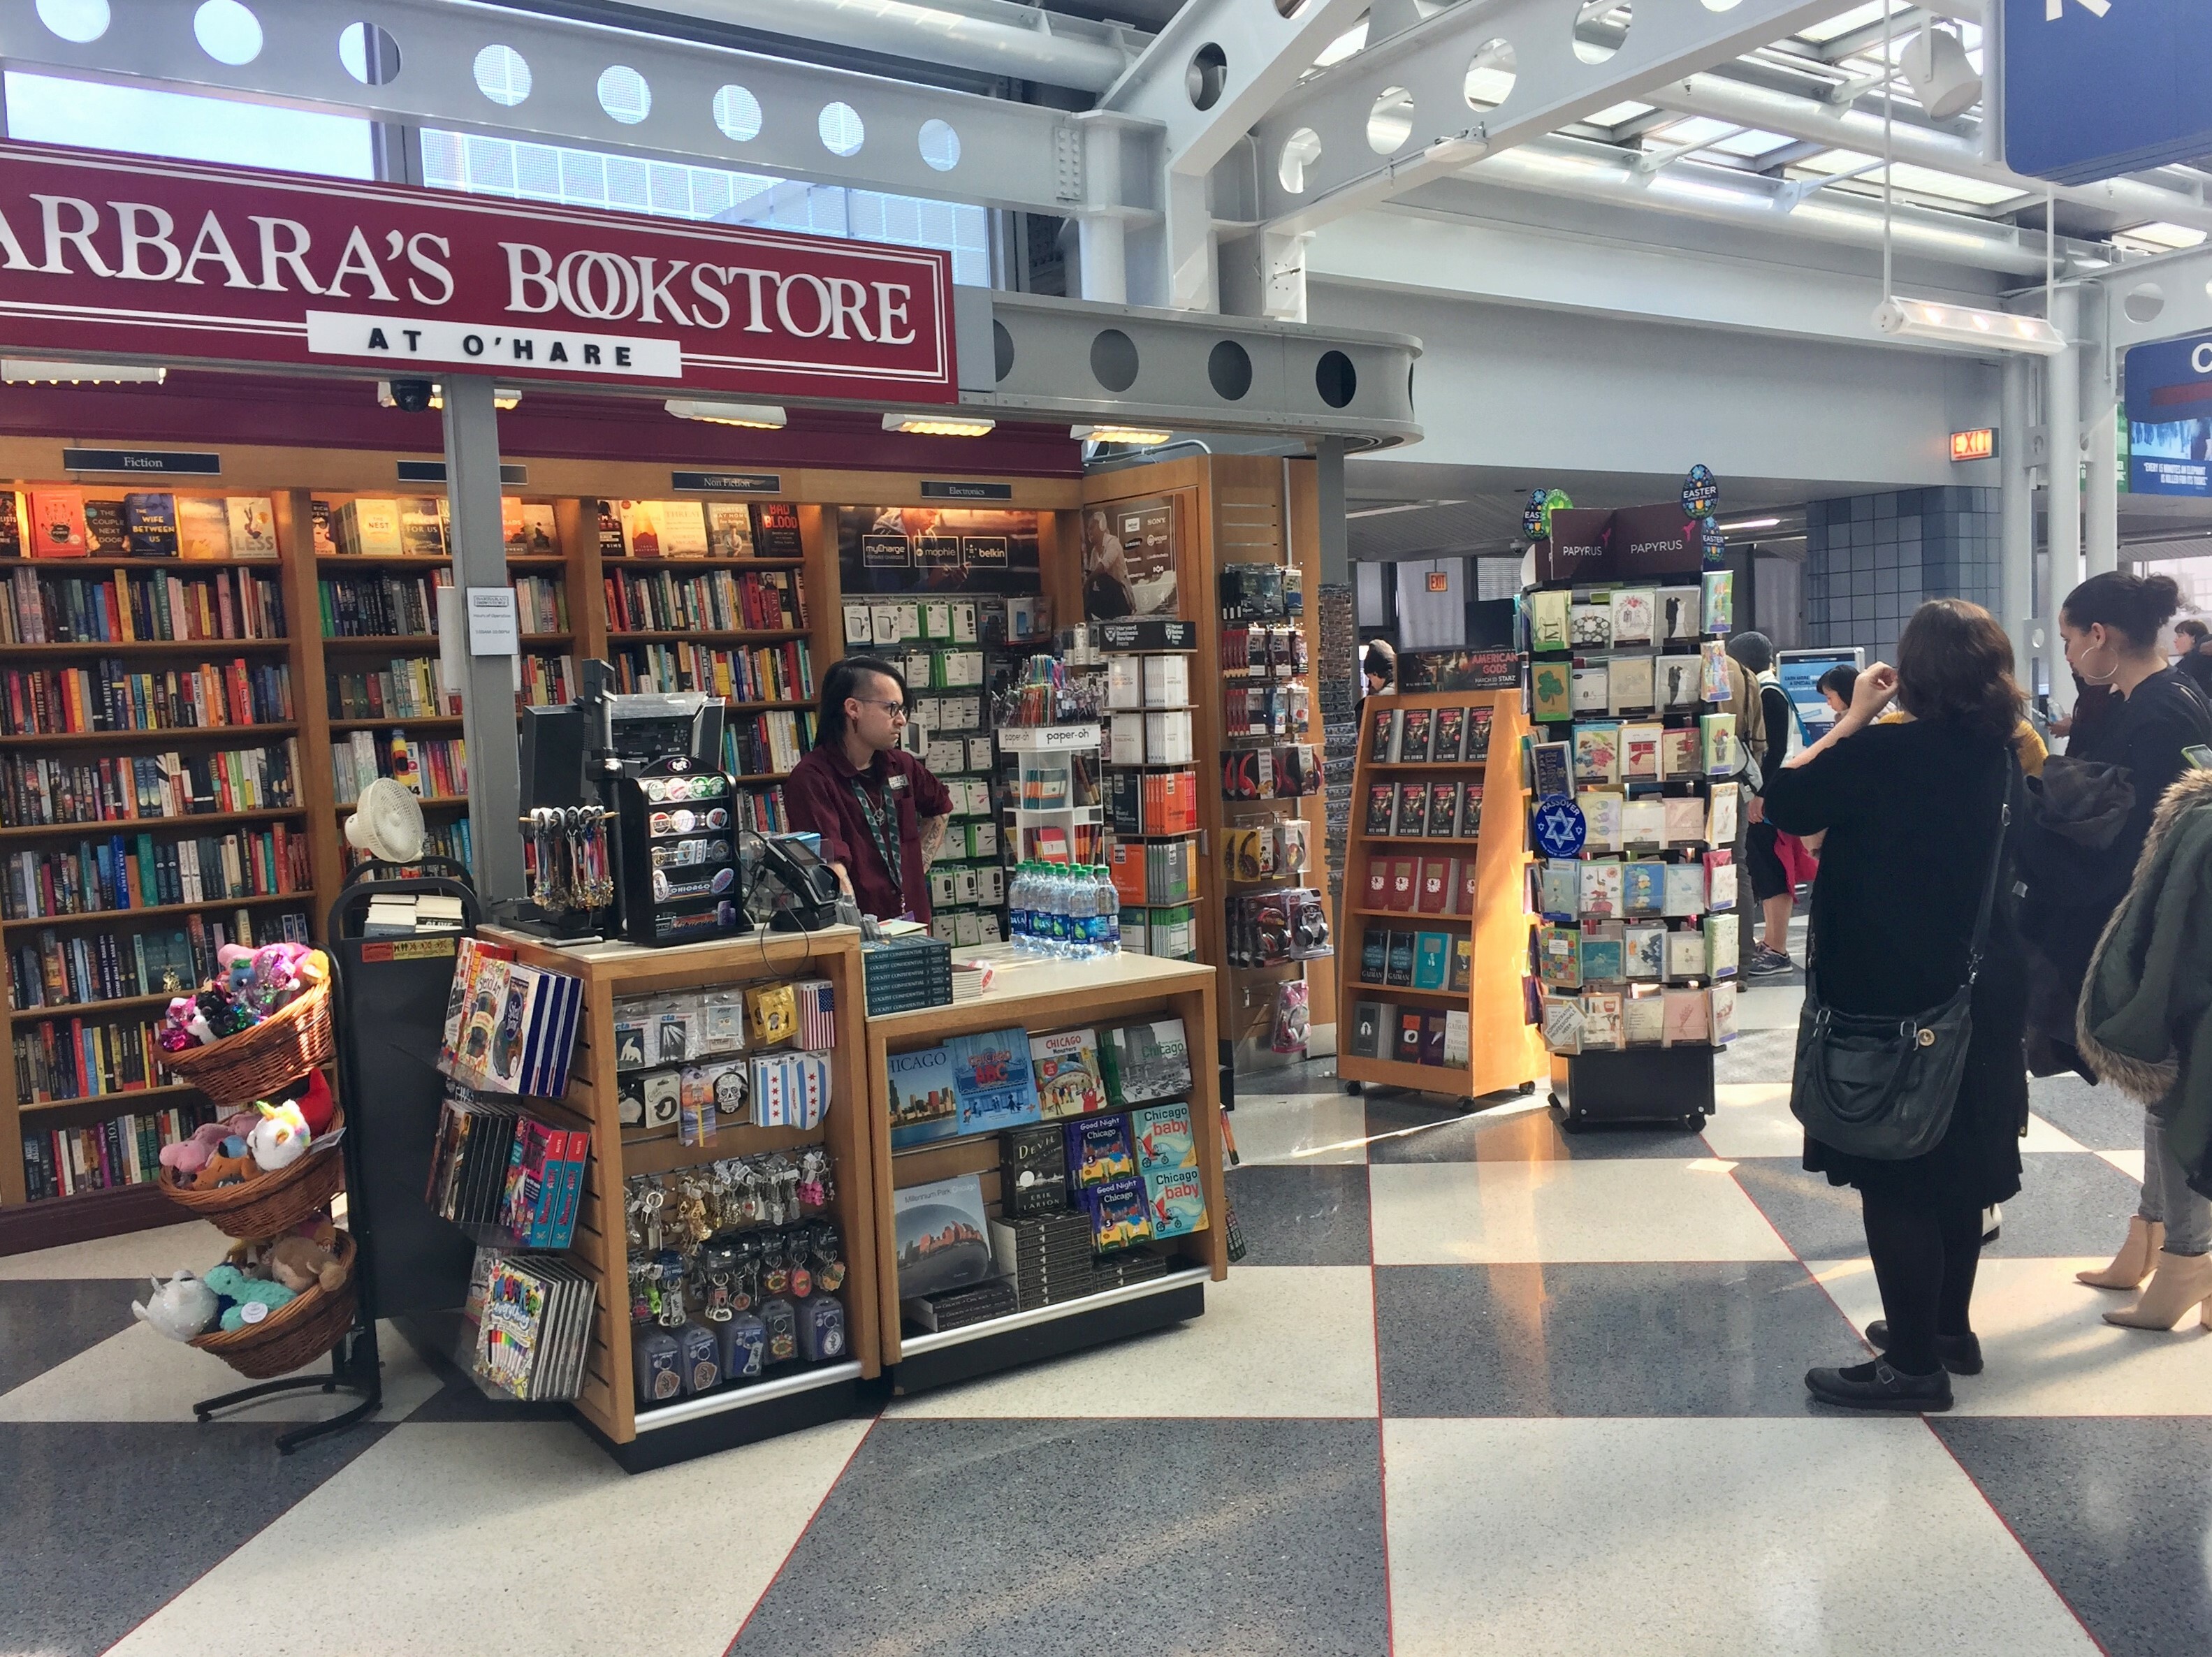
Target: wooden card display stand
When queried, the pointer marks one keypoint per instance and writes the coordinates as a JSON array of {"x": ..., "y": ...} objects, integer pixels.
[
  {"x": 1505, "y": 1052},
  {"x": 1043, "y": 995},
  {"x": 607, "y": 1405}
]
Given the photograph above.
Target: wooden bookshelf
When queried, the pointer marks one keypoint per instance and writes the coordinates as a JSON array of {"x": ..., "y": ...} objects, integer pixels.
[{"x": 1503, "y": 1050}]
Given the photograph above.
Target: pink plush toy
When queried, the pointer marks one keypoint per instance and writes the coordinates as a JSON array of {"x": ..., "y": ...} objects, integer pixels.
[{"x": 190, "y": 1155}]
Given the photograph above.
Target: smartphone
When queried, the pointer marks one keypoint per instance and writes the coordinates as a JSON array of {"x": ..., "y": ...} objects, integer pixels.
[{"x": 2198, "y": 755}]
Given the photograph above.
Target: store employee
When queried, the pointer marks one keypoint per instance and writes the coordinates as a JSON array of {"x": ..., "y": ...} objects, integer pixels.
[{"x": 880, "y": 812}]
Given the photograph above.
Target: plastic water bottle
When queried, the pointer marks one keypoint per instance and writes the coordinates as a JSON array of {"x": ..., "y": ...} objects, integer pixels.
[
  {"x": 1018, "y": 913},
  {"x": 1109, "y": 934},
  {"x": 1044, "y": 911},
  {"x": 1067, "y": 929},
  {"x": 1083, "y": 903}
]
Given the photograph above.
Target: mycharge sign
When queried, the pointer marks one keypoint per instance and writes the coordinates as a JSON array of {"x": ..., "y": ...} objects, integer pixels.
[
  {"x": 2170, "y": 418},
  {"x": 176, "y": 262}
]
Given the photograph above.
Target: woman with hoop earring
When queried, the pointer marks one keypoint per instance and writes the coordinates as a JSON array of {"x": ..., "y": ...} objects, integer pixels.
[{"x": 2087, "y": 820}]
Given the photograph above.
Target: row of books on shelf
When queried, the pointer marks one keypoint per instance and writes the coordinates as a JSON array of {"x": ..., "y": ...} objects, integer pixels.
[
  {"x": 771, "y": 744},
  {"x": 420, "y": 526},
  {"x": 1421, "y": 885},
  {"x": 109, "y": 696},
  {"x": 761, "y": 809},
  {"x": 387, "y": 606},
  {"x": 545, "y": 681},
  {"x": 407, "y": 689},
  {"x": 1429, "y": 736},
  {"x": 39, "y": 608},
  {"x": 1411, "y": 1035},
  {"x": 37, "y": 791},
  {"x": 436, "y": 769},
  {"x": 1570, "y": 954},
  {"x": 1433, "y": 810},
  {"x": 73, "y": 1058},
  {"x": 1416, "y": 960},
  {"x": 139, "y": 872},
  {"x": 66, "y": 523},
  {"x": 62, "y": 971},
  {"x": 1006, "y": 1079},
  {"x": 1647, "y": 1016},
  {"x": 1151, "y": 802},
  {"x": 717, "y": 600},
  {"x": 699, "y": 529},
  {"x": 759, "y": 673},
  {"x": 124, "y": 1150}
]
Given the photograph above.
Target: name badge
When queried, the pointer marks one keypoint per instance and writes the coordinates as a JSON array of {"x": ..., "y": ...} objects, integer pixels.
[{"x": 896, "y": 782}]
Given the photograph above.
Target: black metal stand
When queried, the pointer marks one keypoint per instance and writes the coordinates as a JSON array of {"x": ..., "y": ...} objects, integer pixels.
[
  {"x": 354, "y": 1368},
  {"x": 1651, "y": 1086}
]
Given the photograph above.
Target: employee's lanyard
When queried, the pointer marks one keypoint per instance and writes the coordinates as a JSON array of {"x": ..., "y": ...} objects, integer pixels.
[{"x": 884, "y": 832}]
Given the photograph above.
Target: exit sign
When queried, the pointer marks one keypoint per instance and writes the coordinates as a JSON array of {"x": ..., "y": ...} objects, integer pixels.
[
  {"x": 1439, "y": 581},
  {"x": 1980, "y": 444}
]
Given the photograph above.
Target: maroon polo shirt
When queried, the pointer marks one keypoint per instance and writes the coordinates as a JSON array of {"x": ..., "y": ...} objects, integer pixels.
[{"x": 819, "y": 795}]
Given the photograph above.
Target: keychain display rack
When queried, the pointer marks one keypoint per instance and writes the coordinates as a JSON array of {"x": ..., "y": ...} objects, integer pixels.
[
  {"x": 640, "y": 1439},
  {"x": 1636, "y": 941},
  {"x": 1452, "y": 890}
]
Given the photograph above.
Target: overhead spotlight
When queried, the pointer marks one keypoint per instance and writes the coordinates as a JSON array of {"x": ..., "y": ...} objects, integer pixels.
[
  {"x": 1135, "y": 437},
  {"x": 414, "y": 396},
  {"x": 1968, "y": 325},
  {"x": 28, "y": 371},
  {"x": 1935, "y": 68},
  {"x": 938, "y": 425},
  {"x": 754, "y": 416}
]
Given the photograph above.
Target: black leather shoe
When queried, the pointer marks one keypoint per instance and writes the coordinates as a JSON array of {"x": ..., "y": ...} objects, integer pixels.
[
  {"x": 1961, "y": 1354},
  {"x": 1877, "y": 1386}
]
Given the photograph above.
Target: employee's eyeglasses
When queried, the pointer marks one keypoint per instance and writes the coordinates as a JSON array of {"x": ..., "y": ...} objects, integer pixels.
[{"x": 897, "y": 710}]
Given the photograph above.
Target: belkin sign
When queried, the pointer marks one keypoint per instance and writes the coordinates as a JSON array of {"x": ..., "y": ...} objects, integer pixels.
[
  {"x": 176, "y": 262},
  {"x": 2093, "y": 88}
]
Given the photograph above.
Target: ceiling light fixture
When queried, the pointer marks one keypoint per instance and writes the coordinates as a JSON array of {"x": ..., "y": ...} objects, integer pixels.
[
  {"x": 502, "y": 397},
  {"x": 1968, "y": 325},
  {"x": 939, "y": 425},
  {"x": 753, "y": 416},
  {"x": 1136, "y": 437},
  {"x": 31, "y": 371},
  {"x": 1751, "y": 524}
]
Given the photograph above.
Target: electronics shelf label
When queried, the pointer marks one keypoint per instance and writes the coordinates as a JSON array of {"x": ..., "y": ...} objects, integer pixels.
[{"x": 963, "y": 489}]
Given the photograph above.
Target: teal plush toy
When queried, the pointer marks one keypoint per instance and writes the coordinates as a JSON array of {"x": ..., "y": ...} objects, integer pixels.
[{"x": 236, "y": 1292}]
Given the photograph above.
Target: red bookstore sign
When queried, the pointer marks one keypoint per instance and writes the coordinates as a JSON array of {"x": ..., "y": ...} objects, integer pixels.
[{"x": 175, "y": 262}]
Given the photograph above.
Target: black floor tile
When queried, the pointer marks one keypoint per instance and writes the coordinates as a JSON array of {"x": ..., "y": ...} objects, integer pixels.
[
  {"x": 1309, "y": 1214},
  {"x": 1673, "y": 1339},
  {"x": 2119, "y": 1513},
  {"x": 104, "y": 1524},
  {"x": 1140, "y": 1539},
  {"x": 2069, "y": 1203},
  {"x": 48, "y": 1321},
  {"x": 1758, "y": 1056}
]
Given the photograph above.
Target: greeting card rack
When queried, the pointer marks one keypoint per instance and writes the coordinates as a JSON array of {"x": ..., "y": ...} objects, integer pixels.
[
  {"x": 1436, "y": 923},
  {"x": 641, "y": 1439}
]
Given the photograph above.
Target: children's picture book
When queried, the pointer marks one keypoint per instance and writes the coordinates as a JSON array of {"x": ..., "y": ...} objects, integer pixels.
[
  {"x": 943, "y": 1236},
  {"x": 1176, "y": 1200},
  {"x": 1548, "y": 620},
  {"x": 1099, "y": 1149},
  {"x": 923, "y": 1104},
  {"x": 1144, "y": 1062},
  {"x": 1634, "y": 612},
  {"x": 1591, "y": 692},
  {"x": 1120, "y": 1216},
  {"x": 1065, "y": 1065},
  {"x": 1163, "y": 1138},
  {"x": 991, "y": 1075}
]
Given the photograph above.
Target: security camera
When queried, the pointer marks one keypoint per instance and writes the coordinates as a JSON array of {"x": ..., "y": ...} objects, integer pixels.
[{"x": 412, "y": 395}]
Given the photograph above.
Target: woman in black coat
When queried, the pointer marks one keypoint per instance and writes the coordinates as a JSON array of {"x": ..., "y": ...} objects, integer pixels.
[{"x": 1913, "y": 816}]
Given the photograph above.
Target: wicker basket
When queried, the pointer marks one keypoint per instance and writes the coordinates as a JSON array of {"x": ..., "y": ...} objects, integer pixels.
[
  {"x": 269, "y": 1204},
  {"x": 255, "y": 1063},
  {"x": 293, "y": 1335}
]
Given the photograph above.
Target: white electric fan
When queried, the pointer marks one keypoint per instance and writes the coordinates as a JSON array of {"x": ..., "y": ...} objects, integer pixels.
[{"x": 387, "y": 822}]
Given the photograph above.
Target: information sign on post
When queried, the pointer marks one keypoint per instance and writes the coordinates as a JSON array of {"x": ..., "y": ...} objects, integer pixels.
[{"x": 2093, "y": 88}]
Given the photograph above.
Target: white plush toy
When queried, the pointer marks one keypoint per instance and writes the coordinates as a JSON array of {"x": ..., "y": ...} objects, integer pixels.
[
  {"x": 280, "y": 1138},
  {"x": 179, "y": 1309}
]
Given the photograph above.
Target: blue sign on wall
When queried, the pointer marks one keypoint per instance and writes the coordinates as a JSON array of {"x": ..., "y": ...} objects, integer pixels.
[
  {"x": 2097, "y": 87},
  {"x": 2170, "y": 418}
]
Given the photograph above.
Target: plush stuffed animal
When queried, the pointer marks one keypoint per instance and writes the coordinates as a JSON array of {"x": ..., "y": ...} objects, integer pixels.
[
  {"x": 280, "y": 1138},
  {"x": 316, "y": 1105},
  {"x": 300, "y": 1264},
  {"x": 223, "y": 1170},
  {"x": 240, "y": 1291},
  {"x": 179, "y": 1309},
  {"x": 190, "y": 1155}
]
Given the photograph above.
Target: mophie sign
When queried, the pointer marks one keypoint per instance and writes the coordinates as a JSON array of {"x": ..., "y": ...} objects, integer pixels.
[
  {"x": 176, "y": 262},
  {"x": 1635, "y": 544}
]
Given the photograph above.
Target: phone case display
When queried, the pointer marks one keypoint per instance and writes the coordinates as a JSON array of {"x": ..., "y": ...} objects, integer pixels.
[
  {"x": 734, "y": 1272},
  {"x": 678, "y": 863},
  {"x": 1635, "y": 817}
]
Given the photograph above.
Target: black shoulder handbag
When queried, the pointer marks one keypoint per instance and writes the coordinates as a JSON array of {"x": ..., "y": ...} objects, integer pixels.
[{"x": 1884, "y": 1088}]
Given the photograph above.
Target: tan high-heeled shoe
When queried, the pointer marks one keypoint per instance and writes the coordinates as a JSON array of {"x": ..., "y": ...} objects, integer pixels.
[
  {"x": 2145, "y": 1239},
  {"x": 2180, "y": 1282}
]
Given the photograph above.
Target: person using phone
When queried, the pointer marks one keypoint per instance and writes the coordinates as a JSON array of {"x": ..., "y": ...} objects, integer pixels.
[{"x": 881, "y": 812}]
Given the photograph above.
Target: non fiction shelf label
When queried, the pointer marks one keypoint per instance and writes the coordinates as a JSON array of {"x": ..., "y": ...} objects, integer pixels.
[{"x": 726, "y": 482}]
